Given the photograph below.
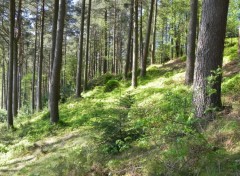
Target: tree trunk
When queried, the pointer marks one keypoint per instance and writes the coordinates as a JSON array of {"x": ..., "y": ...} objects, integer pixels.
[
  {"x": 106, "y": 44},
  {"x": 55, "y": 77},
  {"x": 10, "y": 69},
  {"x": 238, "y": 42},
  {"x": 154, "y": 33},
  {"x": 35, "y": 59},
  {"x": 54, "y": 32},
  {"x": 207, "y": 94},
  {"x": 39, "y": 86},
  {"x": 141, "y": 45},
  {"x": 87, "y": 47},
  {"x": 191, "y": 43},
  {"x": 15, "y": 78},
  {"x": 147, "y": 40},
  {"x": 128, "y": 56},
  {"x": 80, "y": 54},
  {"x": 15, "y": 61},
  {"x": 135, "y": 46},
  {"x": 3, "y": 80}
]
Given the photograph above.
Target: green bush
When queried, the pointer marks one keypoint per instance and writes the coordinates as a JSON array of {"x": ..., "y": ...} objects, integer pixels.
[
  {"x": 230, "y": 50},
  {"x": 3, "y": 115},
  {"x": 102, "y": 80},
  {"x": 111, "y": 85}
]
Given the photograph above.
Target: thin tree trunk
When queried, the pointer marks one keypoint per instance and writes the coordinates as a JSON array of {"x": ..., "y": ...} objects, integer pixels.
[
  {"x": 209, "y": 58},
  {"x": 3, "y": 80},
  {"x": 191, "y": 42},
  {"x": 106, "y": 44},
  {"x": 154, "y": 34},
  {"x": 15, "y": 78},
  {"x": 40, "y": 68},
  {"x": 35, "y": 58},
  {"x": 54, "y": 32},
  {"x": 55, "y": 77},
  {"x": 130, "y": 32},
  {"x": 141, "y": 33},
  {"x": 147, "y": 40},
  {"x": 80, "y": 54},
  {"x": 87, "y": 46},
  {"x": 135, "y": 46},
  {"x": 10, "y": 69},
  {"x": 238, "y": 42}
]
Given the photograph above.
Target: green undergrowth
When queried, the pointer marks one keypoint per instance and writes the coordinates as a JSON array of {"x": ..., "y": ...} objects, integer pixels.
[
  {"x": 231, "y": 49},
  {"x": 148, "y": 131}
]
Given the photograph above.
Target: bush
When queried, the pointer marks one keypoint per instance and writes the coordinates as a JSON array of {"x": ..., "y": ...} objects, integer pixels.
[
  {"x": 102, "y": 80},
  {"x": 111, "y": 85},
  {"x": 3, "y": 115}
]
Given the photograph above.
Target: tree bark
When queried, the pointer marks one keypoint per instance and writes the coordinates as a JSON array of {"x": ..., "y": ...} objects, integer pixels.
[
  {"x": 87, "y": 47},
  {"x": 238, "y": 42},
  {"x": 209, "y": 58},
  {"x": 40, "y": 68},
  {"x": 54, "y": 32},
  {"x": 135, "y": 46},
  {"x": 10, "y": 69},
  {"x": 154, "y": 33},
  {"x": 80, "y": 54},
  {"x": 35, "y": 58},
  {"x": 128, "y": 55},
  {"x": 55, "y": 77},
  {"x": 106, "y": 44},
  {"x": 147, "y": 40},
  {"x": 191, "y": 43}
]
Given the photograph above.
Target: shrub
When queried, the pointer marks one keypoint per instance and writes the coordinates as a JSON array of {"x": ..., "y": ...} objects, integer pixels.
[
  {"x": 111, "y": 85},
  {"x": 3, "y": 115}
]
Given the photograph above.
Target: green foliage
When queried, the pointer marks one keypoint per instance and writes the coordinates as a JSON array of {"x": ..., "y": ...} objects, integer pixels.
[
  {"x": 111, "y": 85},
  {"x": 3, "y": 149},
  {"x": 66, "y": 92},
  {"x": 149, "y": 131},
  {"x": 231, "y": 85},
  {"x": 3, "y": 115},
  {"x": 231, "y": 48},
  {"x": 118, "y": 131},
  {"x": 102, "y": 80},
  {"x": 212, "y": 80}
]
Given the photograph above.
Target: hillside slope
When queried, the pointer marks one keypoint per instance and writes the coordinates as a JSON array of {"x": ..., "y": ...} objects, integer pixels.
[{"x": 145, "y": 131}]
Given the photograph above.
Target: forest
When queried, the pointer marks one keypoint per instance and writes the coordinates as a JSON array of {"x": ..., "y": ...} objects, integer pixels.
[{"x": 120, "y": 87}]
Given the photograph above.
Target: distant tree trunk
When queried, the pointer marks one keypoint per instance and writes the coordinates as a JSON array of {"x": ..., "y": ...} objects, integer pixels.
[
  {"x": 3, "y": 80},
  {"x": 40, "y": 68},
  {"x": 106, "y": 44},
  {"x": 141, "y": 45},
  {"x": 15, "y": 78},
  {"x": 10, "y": 69},
  {"x": 191, "y": 44},
  {"x": 35, "y": 58},
  {"x": 239, "y": 42},
  {"x": 209, "y": 58},
  {"x": 115, "y": 65},
  {"x": 147, "y": 40},
  {"x": 80, "y": 53},
  {"x": 135, "y": 46},
  {"x": 87, "y": 46},
  {"x": 154, "y": 33},
  {"x": 55, "y": 77},
  {"x": 128, "y": 55}
]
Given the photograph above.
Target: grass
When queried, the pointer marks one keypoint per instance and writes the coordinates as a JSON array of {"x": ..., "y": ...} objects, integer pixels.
[{"x": 149, "y": 130}]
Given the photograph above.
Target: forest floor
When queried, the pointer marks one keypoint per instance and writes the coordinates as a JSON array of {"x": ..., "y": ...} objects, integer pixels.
[{"x": 147, "y": 131}]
